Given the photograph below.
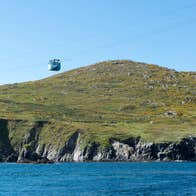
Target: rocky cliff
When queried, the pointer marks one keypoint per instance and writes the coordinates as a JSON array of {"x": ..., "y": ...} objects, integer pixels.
[{"x": 32, "y": 149}]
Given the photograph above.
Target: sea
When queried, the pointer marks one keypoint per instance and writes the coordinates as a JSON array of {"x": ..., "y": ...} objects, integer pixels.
[{"x": 107, "y": 178}]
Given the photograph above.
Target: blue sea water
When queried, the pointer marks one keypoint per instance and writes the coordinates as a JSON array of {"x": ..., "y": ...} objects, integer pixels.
[{"x": 98, "y": 179}]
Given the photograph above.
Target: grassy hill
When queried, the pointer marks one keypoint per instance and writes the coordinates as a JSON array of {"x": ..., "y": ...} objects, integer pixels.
[{"x": 108, "y": 99}]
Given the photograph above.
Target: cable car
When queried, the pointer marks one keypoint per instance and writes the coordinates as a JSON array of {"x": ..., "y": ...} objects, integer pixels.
[{"x": 54, "y": 65}]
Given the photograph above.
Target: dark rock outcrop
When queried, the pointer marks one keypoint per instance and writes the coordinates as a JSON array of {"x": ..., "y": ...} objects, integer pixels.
[
  {"x": 7, "y": 154},
  {"x": 32, "y": 150},
  {"x": 136, "y": 150},
  {"x": 27, "y": 153}
]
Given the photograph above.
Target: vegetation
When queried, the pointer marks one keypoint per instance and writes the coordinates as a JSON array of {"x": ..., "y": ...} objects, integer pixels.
[{"x": 116, "y": 99}]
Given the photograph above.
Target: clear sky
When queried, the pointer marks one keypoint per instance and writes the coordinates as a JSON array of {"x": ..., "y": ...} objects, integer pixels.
[{"x": 81, "y": 32}]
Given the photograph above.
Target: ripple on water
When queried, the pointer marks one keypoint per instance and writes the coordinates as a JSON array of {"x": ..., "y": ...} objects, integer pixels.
[{"x": 98, "y": 179}]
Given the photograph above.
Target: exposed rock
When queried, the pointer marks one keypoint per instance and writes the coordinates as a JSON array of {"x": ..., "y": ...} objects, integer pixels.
[
  {"x": 122, "y": 151},
  {"x": 170, "y": 114},
  {"x": 7, "y": 152},
  {"x": 74, "y": 149},
  {"x": 132, "y": 149},
  {"x": 11, "y": 158}
]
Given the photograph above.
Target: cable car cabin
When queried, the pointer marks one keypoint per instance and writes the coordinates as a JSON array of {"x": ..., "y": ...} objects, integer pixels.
[{"x": 54, "y": 65}]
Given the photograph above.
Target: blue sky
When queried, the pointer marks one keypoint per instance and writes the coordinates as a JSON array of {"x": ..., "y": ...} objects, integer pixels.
[{"x": 82, "y": 32}]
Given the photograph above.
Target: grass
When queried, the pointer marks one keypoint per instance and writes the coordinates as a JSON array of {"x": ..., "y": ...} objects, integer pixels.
[{"x": 116, "y": 99}]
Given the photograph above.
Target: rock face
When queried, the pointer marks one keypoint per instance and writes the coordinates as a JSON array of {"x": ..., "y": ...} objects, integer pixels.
[
  {"x": 118, "y": 151},
  {"x": 7, "y": 153},
  {"x": 131, "y": 149}
]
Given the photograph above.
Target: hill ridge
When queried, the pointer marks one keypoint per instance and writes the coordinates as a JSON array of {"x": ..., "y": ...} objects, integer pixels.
[{"x": 142, "y": 99}]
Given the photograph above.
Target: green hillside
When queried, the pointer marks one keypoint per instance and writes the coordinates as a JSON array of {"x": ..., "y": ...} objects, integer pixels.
[{"x": 109, "y": 99}]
